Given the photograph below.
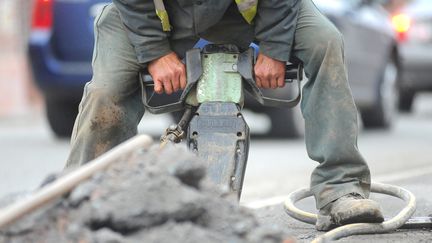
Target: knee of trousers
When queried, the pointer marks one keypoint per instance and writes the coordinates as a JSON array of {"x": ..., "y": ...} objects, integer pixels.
[
  {"x": 105, "y": 108},
  {"x": 327, "y": 40}
]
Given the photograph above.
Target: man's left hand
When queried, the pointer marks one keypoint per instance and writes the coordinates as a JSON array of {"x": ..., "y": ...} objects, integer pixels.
[{"x": 269, "y": 72}]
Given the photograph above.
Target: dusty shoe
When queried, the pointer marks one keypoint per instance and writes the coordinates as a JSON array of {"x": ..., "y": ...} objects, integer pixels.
[{"x": 351, "y": 208}]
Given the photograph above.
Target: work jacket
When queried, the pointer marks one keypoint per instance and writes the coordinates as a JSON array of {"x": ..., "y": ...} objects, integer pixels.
[{"x": 219, "y": 21}]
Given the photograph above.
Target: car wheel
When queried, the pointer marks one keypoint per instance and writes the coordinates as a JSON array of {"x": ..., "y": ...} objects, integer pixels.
[
  {"x": 406, "y": 100},
  {"x": 285, "y": 123},
  {"x": 61, "y": 116},
  {"x": 383, "y": 112}
]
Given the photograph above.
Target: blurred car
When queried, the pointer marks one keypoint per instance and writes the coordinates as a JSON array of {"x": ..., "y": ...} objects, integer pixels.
[
  {"x": 413, "y": 24},
  {"x": 61, "y": 43},
  {"x": 372, "y": 56},
  {"x": 60, "y": 52}
]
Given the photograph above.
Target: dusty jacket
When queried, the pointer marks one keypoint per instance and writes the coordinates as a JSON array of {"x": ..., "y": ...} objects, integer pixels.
[{"x": 273, "y": 26}]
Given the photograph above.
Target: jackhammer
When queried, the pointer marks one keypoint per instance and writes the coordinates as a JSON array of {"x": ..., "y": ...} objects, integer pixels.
[
  {"x": 212, "y": 123},
  {"x": 217, "y": 132}
]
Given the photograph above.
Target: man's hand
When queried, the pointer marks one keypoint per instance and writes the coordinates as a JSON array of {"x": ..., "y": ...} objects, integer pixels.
[
  {"x": 269, "y": 72},
  {"x": 168, "y": 73}
]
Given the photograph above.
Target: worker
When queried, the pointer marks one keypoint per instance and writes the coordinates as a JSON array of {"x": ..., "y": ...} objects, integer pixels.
[{"x": 131, "y": 35}]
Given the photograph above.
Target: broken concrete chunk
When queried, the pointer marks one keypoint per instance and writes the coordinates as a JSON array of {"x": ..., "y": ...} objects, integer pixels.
[{"x": 154, "y": 196}]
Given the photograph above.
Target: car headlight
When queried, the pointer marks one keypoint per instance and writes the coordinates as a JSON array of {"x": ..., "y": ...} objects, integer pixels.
[{"x": 401, "y": 24}]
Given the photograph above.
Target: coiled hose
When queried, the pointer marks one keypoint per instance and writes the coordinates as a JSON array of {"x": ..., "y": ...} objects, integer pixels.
[{"x": 358, "y": 228}]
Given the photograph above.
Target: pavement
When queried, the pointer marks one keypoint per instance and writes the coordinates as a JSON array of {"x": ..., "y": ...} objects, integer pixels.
[
  {"x": 275, "y": 214},
  {"x": 276, "y": 168}
]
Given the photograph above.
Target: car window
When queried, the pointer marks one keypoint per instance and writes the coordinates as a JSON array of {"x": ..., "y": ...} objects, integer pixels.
[
  {"x": 422, "y": 3},
  {"x": 422, "y": 7},
  {"x": 353, "y": 2},
  {"x": 381, "y": 1}
]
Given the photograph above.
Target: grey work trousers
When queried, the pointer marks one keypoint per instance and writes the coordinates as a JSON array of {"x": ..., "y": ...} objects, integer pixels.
[{"x": 111, "y": 107}]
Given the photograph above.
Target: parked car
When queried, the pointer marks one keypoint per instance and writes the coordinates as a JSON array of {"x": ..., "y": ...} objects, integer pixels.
[
  {"x": 60, "y": 52},
  {"x": 61, "y": 43},
  {"x": 413, "y": 24}
]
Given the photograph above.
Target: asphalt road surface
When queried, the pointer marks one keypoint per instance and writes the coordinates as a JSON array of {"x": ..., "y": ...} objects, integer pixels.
[{"x": 401, "y": 156}]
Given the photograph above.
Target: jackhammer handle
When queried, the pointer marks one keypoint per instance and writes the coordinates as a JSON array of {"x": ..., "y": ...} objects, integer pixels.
[
  {"x": 193, "y": 72},
  {"x": 291, "y": 73},
  {"x": 148, "y": 93}
]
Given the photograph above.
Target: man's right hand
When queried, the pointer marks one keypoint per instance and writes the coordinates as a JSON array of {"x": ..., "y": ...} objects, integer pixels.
[{"x": 168, "y": 73}]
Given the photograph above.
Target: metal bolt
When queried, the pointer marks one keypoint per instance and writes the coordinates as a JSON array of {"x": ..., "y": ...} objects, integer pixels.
[{"x": 234, "y": 67}]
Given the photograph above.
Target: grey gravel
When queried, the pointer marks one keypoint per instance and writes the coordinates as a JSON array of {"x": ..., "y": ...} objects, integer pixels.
[{"x": 155, "y": 196}]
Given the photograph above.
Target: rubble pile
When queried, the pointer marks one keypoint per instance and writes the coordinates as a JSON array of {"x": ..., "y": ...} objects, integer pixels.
[{"x": 150, "y": 196}]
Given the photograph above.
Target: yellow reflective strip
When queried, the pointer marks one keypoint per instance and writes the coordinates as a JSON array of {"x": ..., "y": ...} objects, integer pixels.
[
  {"x": 247, "y": 8},
  {"x": 249, "y": 14},
  {"x": 163, "y": 16}
]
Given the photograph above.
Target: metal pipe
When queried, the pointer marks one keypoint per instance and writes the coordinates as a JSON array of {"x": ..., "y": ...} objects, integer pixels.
[
  {"x": 359, "y": 228},
  {"x": 67, "y": 182}
]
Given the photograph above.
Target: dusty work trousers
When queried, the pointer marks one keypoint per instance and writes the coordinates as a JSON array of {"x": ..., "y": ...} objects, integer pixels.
[{"x": 112, "y": 107}]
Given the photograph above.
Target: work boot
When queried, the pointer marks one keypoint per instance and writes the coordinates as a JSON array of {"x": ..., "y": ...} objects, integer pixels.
[{"x": 349, "y": 209}]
